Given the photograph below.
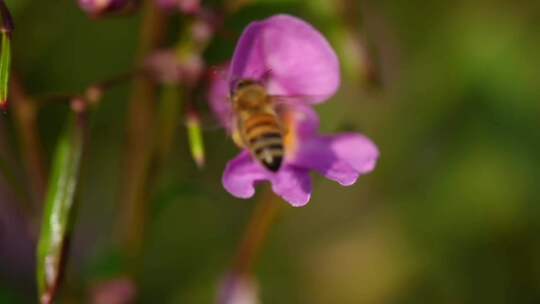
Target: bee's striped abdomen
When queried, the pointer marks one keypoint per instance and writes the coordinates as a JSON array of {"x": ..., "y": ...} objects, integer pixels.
[{"x": 264, "y": 138}]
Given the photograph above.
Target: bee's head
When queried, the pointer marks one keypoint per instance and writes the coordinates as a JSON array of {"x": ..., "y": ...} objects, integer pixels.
[
  {"x": 249, "y": 94},
  {"x": 243, "y": 83}
]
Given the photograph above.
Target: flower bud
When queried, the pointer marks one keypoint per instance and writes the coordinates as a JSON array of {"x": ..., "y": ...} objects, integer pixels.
[
  {"x": 238, "y": 289},
  {"x": 195, "y": 137},
  {"x": 99, "y": 7},
  {"x": 169, "y": 67},
  {"x": 185, "y": 6}
]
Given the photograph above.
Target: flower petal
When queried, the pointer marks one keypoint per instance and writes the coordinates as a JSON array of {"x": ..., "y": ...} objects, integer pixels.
[
  {"x": 290, "y": 56},
  {"x": 341, "y": 158},
  {"x": 357, "y": 150},
  {"x": 293, "y": 185},
  {"x": 242, "y": 174},
  {"x": 218, "y": 98}
]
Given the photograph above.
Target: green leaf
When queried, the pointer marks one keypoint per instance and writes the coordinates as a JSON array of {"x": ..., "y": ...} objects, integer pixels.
[
  {"x": 5, "y": 62},
  {"x": 59, "y": 203}
]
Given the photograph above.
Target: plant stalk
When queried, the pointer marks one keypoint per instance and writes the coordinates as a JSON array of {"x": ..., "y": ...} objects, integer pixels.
[
  {"x": 140, "y": 147},
  {"x": 256, "y": 232}
]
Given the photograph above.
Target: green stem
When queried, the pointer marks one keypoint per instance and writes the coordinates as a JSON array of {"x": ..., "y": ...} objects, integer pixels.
[
  {"x": 169, "y": 114},
  {"x": 140, "y": 135}
]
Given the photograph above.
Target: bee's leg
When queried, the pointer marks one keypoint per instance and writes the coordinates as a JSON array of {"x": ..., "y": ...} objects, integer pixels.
[
  {"x": 236, "y": 135},
  {"x": 237, "y": 138}
]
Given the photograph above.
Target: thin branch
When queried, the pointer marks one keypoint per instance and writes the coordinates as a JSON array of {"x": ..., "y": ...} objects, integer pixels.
[
  {"x": 25, "y": 114},
  {"x": 239, "y": 277},
  {"x": 93, "y": 93}
]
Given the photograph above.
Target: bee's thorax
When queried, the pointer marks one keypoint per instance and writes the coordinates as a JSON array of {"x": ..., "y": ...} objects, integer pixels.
[{"x": 252, "y": 97}]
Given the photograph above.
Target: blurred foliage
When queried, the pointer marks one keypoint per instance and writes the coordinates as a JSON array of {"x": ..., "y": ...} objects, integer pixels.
[{"x": 451, "y": 214}]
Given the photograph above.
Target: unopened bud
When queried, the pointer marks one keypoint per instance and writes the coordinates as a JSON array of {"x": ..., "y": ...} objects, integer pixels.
[
  {"x": 78, "y": 105},
  {"x": 202, "y": 30},
  {"x": 99, "y": 7},
  {"x": 169, "y": 67},
  {"x": 238, "y": 289},
  {"x": 196, "y": 141},
  {"x": 93, "y": 94}
]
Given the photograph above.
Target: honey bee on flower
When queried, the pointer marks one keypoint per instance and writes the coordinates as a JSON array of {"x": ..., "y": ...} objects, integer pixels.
[{"x": 280, "y": 68}]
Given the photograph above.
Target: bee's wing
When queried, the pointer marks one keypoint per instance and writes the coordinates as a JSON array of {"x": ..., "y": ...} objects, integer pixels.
[
  {"x": 297, "y": 108},
  {"x": 285, "y": 104},
  {"x": 293, "y": 100}
]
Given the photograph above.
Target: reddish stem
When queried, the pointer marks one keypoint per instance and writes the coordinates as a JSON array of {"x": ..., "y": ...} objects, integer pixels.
[
  {"x": 25, "y": 112},
  {"x": 256, "y": 232}
]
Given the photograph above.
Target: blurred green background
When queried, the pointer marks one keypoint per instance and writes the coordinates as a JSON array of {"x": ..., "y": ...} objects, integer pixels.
[{"x": 449, "y": 91}]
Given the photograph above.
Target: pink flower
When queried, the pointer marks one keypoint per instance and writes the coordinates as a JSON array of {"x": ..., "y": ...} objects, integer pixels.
[
  {"x": 98, "y": 7},
  {"x": 290, "y": 58},
  {"x": 289, "y": 55}
]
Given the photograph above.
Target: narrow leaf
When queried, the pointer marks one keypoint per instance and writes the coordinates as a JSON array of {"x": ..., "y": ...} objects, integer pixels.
[
  {"x": 59, "y": 204},
  {"x": 5, "y": 62}
]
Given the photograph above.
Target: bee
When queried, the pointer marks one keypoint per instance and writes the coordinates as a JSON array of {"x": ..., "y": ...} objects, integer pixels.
[{"x": 257, "y": 123}]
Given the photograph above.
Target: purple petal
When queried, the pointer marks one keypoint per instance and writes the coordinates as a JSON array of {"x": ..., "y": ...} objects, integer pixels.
[
  {"x": 293, "y": 185},
  {"x": 290, "y": 56},
  {"x": 242, "y": 174},
  {"x": 357, "y": 150},
  {"x": 341, "y": 158},
  {"x": 302, "y": 120},
  {"x": 218, "y": 98},
  {"x": 248, "y": 58}
]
